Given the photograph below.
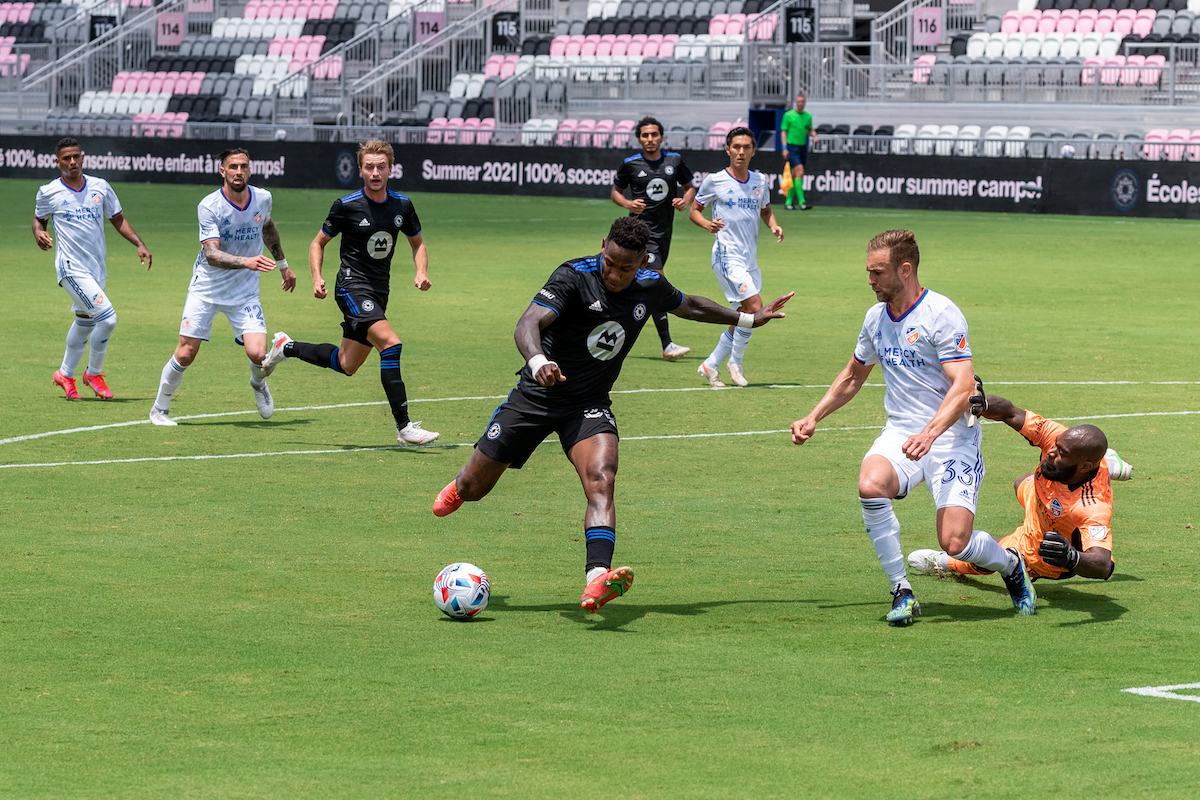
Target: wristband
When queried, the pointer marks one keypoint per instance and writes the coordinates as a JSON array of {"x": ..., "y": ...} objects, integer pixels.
[
  {"x": 745, "y": 320},
  {"x": 537, "y": 362},
  {"x": 282, "y": 264}
]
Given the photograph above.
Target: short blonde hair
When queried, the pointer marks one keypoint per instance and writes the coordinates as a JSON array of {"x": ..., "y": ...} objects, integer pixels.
[
  {"x": 901, "y": 246},
  {"x": 376, "y": 147}
]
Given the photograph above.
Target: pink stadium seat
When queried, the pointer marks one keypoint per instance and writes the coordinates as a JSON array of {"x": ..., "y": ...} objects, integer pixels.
[
  {"x": 491, "y": 69},
  {"x": 620, "y": 48},
  {"x": 622, "y": 134},
  {"x": 1193, "y": 150},
  {"x": 566, "y": 133},
  {"x": 434, "y": 136},
  {"x": 589, "y": 48},
  {"x": 602, "y": 133},
  {"x": 450, "y": 133},
  {"x": 1110, "y": 75},
  {"x": 650, "y": 49},
  {"x": 507, "y": 69},
  {"x": 1153, "y": 73},
  {"x": 583, "y": 132},
  {"x": 1029, "y": 21},
  {"x": 1129, "y": 77},
  {"x": 1104, "y": 24},
  {"x": 558, "y": 45},
  {"x": 143, "y": 83},
  {"x": 1123, "y": 25},
  {"x": 1066, "y": 23},
  {"x": 157, "y": 84},
  {"x": 1048, "y": 24},
  {"x": 275, "y": 12},
  {"x": 1151, "y": 151},
  {"x": 604, "y": 48},
  {"x": 251, "y": 10},
  {"x": 467, "y": 134},
  {"x": 177, "y": 129},
  {"x": 1142, "y": 26},
  {"x": 1088, "y": 76},
  {"x": 716, "y": 25},
  {"x": 193, "y": 86},
  {"x": 716, "y": 135},
  {"x": 635, "y": 48},
  {"x": 1010, "y": 22},
  {"x": 1175, "y": 143},
  {"x": 666, "y": 49},
  {"x": 922, "y": 75},
  {"x": 486, "y": 126},
  {"x": 118, "y": 84},
  {"x": 25, "y": 12},
  {"x": 138, "y": 119}
]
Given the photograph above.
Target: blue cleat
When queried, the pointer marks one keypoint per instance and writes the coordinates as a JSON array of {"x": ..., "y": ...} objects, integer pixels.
[
  {"x": 1020, "y": 588},
  {"x": 905, "y": 608}
]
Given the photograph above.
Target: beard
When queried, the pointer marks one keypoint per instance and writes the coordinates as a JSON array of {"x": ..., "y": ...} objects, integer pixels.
[{"x": 1058, "y": 474}]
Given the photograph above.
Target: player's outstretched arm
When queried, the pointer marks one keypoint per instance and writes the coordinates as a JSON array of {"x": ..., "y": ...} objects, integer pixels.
[
  {"x": 843, "y": 389},
  {"x": 421, "y": 260},
  {"x": 271, "y": 239},
  {"x": 528, "y": 336},
  {"x": 125, "y": 229},
  {"x": 697, "y": 218},
  {"x": 768, "y": 218},
  {"x": 316, "y": 257},
  {"x": 41, "y": 235},
  {"x": 1095, "y": 562},
  {"x": 216, "y": 257},
  {"x": 1002, "y": 410},
  {"x": 701, "y": 309},
  {"x": 954, "y": 405}
]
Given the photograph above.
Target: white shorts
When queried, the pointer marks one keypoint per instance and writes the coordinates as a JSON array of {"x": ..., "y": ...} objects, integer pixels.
[
  {"x": 198, "y": 316},
  {"x": 738, "y": 280},
  {"x": 952, "y": 470},
  {"x": 87, "y": 296}
]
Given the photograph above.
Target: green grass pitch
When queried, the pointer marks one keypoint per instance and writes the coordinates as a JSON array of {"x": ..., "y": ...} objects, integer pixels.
[{"x": 253, "y": 627}]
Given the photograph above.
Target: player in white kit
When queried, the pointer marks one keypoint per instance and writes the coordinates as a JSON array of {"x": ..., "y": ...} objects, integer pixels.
[
  {"x": 235, "y": 223},
  {"x": 920, "y": 339},
  {"x": 739, "y": 198},
  {"x": 79, "y": 204}
]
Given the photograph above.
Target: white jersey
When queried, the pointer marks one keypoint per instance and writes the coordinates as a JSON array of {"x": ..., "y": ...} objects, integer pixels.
[
  {"x": 79, "y": 216},
  {"x": 237, "y": 231},
  {"x": 912, "y": 349},
  {"x": 738, "y": 205}
]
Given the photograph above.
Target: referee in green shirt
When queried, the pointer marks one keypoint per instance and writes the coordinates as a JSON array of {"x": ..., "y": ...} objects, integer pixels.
[{"x": 796, "y": 127}]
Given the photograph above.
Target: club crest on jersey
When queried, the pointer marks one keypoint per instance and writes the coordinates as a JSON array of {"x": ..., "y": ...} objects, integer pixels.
[
  {"x": 368, "y": 305},
  {"x": 398, "y": 220},
  {"x": 258, "y": 217},
  {"x": 98, "y": 300},
  {"x": 97, "y": 198},
  {"x": 656, "y": 189},
  {"x": 1056, "y": 507},
  {"x": 639, "y": 312},
  {"x": 911, "y": 335},
  {"x": 669, "y": 171},
  {"x": 960, "y": 341},
  {"x": 745, "y": 287},
  {"x": 380, "y": 245},
  {"x": 493, "y": 432},
  {"x": 651, "y": 258},
  {"x": 606, "y": 340}
]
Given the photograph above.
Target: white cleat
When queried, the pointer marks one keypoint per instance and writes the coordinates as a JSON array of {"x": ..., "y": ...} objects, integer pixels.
[
  {"x": 275, "y": 355},
  {"x": 262, "y": 399},
  {"x": 1118, "y": 468},
  {"x": 710, "y": 374},
  {"x": 413, "y": 433},
  {"x": 929, "y": 562},
  {"x": 674, "y": 352},
  {"x": 736, "y": 375},
  {"x": 159, "y": 417}
]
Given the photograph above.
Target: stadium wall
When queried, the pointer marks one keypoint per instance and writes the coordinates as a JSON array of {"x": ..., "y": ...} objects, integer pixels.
[{"x": 1055, "y": 186}]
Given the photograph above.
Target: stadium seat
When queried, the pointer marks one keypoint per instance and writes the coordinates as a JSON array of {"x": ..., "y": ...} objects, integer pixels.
[
  {"x": 993, "y": 141},
  {"x": 1014, "y": 146},
  {"x": 968, "y": 140},
  {"x": 977, "y": 45},
  {"x": 902, "y": 138},
  {"x": 925, "y": 140},
  {"x": 1176, "y": 139}
]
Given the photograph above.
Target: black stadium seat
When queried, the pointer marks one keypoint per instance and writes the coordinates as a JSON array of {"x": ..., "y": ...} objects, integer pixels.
[
  {"x": 608, "y": 26},
  {"x": 593, "y": 26},
  {"x": 1101, "y": 5},
  {"x": 1045, "y": 5},
  {"x": 623, "y": 26},
  {"x": 638, "y": 26}
]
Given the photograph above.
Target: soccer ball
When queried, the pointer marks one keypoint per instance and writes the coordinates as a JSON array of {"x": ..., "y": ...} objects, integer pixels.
[
  {"x": 461, "y": 590},
  {"x": 1068, "y": 151}
]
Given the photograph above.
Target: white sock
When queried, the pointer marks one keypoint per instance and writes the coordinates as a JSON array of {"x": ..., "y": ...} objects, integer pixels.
[
  {"x": 256, "y": 375},
  {"x": 100, "y": 336},
  {"x": 884, "y": 530},
  {"x": 172, "y": 374},
  {"x": 594, "y": 573},
  {"x": 723, "y": 349},
  {"x": 77, "y": 339},
  {"x": 741, "y": 338},
  {"x": 986, "y": 553}
]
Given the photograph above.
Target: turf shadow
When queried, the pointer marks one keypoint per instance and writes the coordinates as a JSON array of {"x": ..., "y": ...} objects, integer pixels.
[
  {"x": 615, "y": 616},
  {"x": 1052, "y": 595}
]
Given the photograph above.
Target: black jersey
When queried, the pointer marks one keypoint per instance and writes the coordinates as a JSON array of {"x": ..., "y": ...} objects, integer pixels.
[
  {"x": 370, "y": 232},
  {"x": 595, "y": 329},
  {"x": 657, "y": 183}
]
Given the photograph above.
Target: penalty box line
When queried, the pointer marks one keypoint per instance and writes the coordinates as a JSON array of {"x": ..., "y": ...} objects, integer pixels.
[
  {"x": 659, "y": 437},
  {"x": 30, "y": 436}
]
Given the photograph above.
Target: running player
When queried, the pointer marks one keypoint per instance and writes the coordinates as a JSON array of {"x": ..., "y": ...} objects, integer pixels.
[
  {"x": 1067, "y": 500},
  {"x": 79, "y": 204},
  {"x": 370, "y": 221},
  {"x": 235, "y": 223},
  {"x": 574, "y": 337},
  {"x": 920, "y": 339},
  {"x": 655, "y": 177},
  {"x": 740, "y": 198}
]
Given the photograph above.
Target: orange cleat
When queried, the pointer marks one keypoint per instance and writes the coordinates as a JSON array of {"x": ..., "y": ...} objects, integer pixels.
[
  {"x": 448, "y": 500},
  {"x": 608, "y": 586},
  {"x": 66, "y": 384},
  {"x": 97, "y": 385}
]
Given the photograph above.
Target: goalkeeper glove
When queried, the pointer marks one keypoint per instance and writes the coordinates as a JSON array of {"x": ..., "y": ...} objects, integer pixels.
[
  {"x": 978, "y": 400},
  {"x": 1057, "y": 551}
]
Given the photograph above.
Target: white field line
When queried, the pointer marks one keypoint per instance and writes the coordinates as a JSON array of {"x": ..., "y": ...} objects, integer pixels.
[
  {"x": 89, "y": 428},
  {"x": 547, "y": 441},
  {"x": 1167, "y": 692}
]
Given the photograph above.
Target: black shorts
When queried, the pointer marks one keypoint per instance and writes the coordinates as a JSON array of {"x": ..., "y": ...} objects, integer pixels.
[
  {"x": 659, "y": 250},
  {"x": 519, "y": 425},
  {"x": 361, "y": 308},
  {"x": 797, "y": 155}
]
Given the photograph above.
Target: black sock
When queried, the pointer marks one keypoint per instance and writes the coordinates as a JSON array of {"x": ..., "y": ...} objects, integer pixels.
[
  {"x": 322, "y": 355},
  {"x": 601, "y": 541},
  {"x": 393, "y": 386},
  {"x": 664, "y": 333}
]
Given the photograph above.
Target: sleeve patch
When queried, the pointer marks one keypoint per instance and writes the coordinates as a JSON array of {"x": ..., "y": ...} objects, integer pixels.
[{"x": 1098, "y": 532}]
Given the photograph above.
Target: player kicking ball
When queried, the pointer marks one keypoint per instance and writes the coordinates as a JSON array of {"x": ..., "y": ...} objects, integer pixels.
[
  {"x": 574, "y": 337},
  {"x": 1067, "y": 500},
  {"x": 235, "y": 223},
  {"x": 920, "y": 339}
]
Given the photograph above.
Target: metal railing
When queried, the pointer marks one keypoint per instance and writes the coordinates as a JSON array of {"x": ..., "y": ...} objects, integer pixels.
[
  {"x": 893, "y": 28},
  {"x": 823, "y": 71},
  {"x": 1103, "y": 147},
  {"x": 393, "y": 88}
]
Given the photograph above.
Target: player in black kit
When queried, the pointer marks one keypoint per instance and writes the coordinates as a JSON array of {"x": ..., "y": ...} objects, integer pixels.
[
  {"x": 656, "y": 178},
  {"x": 370, "y": 222},
  {"x": 574, "y": 337}
]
